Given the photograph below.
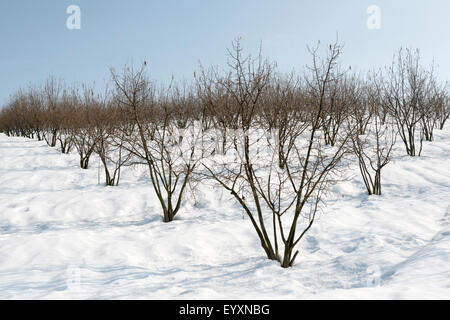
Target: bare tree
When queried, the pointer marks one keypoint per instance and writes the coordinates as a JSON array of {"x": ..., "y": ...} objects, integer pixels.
[
  {"x": 155, "y": 141},
  {"x": 433, "y": 107},
  {"x": 266, "y": 192},
  {"x": 83, "y": 128},
  {"x": 442, "y": 107},
  {"x": 403, "y": 97},
  {"x": 337, "y": 102},
  {"x": 51, "y": 95},
  {"x": 373, "y": 149},
  {"x": 65, "y": 113},
  {"x": 281, "y": 111},
  {"x": 360, "y": 104},
  {"x": 111, "y": 130}
]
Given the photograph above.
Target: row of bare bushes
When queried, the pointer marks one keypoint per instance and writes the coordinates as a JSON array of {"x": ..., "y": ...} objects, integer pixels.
[{"x": 276, "y": 142}]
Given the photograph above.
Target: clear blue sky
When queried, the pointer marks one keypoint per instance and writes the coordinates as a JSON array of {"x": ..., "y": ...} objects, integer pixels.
[{"x": 174, "y": 35}]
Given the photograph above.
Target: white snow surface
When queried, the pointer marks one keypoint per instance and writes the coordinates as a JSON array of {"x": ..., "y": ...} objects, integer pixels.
[{"x": 64, "y": 236}]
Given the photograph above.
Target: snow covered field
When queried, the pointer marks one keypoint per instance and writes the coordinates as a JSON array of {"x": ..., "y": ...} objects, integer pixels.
[{"x": 62, "y": 235}]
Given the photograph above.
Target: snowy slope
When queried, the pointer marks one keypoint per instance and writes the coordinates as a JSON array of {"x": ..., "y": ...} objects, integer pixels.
[{"x": 64, "y": 236}]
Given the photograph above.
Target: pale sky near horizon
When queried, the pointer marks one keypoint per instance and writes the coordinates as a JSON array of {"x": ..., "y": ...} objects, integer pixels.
[{"x": 173, "y": 36}]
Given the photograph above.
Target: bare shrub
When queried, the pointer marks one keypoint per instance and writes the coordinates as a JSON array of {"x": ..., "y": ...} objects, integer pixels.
[
  {"x": 405, "y": 89},
  {"x": 155, "y": 140},
  {"x": 373, "y": 151},
  {"x": 264, "y": 190},
  {"x": 83, "y": 125}
]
